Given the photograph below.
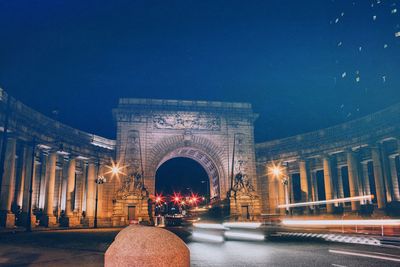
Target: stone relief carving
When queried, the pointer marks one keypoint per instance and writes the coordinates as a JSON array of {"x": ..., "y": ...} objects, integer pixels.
[
  {"x": 132, "y": 183},
  {"x": 242, "y": 182},
  {"x": 193, "y": 121}
]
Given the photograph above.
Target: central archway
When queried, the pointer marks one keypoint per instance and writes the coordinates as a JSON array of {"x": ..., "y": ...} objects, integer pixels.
[
  {"x": 198, "y": 149},
  {"x": 183, "y": 175}
]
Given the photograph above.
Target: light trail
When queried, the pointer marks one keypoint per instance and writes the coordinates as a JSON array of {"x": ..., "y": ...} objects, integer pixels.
[
  {"x": 214, "y": 226},
  {"x": 330, "y": 201},
  {"x": 207, "y": 237},
  {"x": 352, "y": 253},
  {"x": 244, "y": 236},
  {"x": 289, "y": 222},
  {"x": 243, "y": 225}
]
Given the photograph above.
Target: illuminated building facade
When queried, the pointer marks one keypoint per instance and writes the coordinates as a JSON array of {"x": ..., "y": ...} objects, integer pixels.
[{"x": 53, "y": 168}]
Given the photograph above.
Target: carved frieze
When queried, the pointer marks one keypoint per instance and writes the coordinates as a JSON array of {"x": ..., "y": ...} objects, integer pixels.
[{"x": 187, "y": 120}]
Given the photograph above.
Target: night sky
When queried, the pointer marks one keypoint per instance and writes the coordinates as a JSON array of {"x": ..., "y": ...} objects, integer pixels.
[
  {"x": 304, "y": 65},
  {"x": 182, "y": 175}
]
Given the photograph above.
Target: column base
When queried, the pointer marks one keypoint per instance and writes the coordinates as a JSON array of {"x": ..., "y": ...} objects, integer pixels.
[
  {"x": 88, "y": 222},
  {"x": 7, "y": 219},
  {"x": 70, "y": 221},
  {"x": 48, "y": 221},
  {"x": 23, "y": 219}
]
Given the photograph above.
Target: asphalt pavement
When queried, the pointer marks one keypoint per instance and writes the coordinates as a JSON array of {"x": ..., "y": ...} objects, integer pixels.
[{"x": 87, "y": 248}]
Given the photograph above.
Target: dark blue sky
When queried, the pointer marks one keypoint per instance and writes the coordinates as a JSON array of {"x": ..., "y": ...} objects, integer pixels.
[{"x": 285, "y": 57}]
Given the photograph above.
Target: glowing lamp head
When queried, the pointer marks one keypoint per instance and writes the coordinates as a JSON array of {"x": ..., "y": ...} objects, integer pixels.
[
  {"x": 115, "y": 170},
  {"x": 158, "y": 199},
  {"x": 276, "y": 171}
]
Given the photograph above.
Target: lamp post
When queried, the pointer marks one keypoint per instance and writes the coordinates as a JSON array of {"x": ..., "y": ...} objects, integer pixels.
[
  {"x": 98, "y": 181},
  {"x": 207, "y": 188},
  {"x": 278, "y": 172},
  {"x": 285, "y": 182},
  {"x": 28, "y": 217}
]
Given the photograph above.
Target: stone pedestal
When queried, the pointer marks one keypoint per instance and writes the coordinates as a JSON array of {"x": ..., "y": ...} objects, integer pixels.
[
  {"x": 48, "y": 221},
  {"x": 152, "y": 246},
  {"x": 7, "y": 219},
  {"x": 139, "y": 205},
  {"x": 23, "y": 219},
  {"x": 88, "y": 222},
  {"x": 245, "y": 207},
  {"x": 70, "y": 221}
]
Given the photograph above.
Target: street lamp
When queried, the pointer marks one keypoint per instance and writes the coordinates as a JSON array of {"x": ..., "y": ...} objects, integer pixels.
[
  {"x": 29, "y": 222},
  {"x": 278, "y": 172},
  {"x": 207, "y": 188},
  {"x": 98, "y": 181}
]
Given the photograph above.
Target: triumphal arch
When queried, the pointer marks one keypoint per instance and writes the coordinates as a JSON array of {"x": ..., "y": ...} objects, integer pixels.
[{"x": 218, "y": 135}]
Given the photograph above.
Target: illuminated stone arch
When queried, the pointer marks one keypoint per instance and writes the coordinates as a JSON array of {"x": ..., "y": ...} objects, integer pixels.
[{"x": 199, "y": 149}]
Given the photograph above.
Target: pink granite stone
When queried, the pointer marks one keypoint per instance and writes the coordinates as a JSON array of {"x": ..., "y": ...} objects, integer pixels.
[{"x": 147, "y": 246}]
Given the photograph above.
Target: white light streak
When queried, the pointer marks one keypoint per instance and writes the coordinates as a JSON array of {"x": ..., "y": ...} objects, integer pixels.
[
  {"x": 351, "y": 253},
  {"x": 243, "y": 225},
  {"x": 207, "y": 237},
  {"x": 392, "y": 222},
  {"x": 214, "y": 226},
  {"x": 331, "y": 201},
  {"x": 244, "y": 236},
  {"x": 397, "y": 34}
]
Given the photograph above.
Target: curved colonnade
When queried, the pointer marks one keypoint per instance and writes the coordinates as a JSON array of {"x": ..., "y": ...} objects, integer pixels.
[
  {"x": 61, "y": 163},
  {"x": 356, "y": 158}
]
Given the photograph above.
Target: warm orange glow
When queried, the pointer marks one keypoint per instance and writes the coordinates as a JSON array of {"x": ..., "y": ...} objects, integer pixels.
[
  {"x": 275, "y": 170},
  {"x": 115, "y": 169}
]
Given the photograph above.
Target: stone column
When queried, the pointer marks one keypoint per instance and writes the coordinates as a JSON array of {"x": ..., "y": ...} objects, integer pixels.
[
  {"x": 378, "y": 177},
  {"x": 91, "y": 193},
  {"x": 20, "y": 176},
  {"x": 367, "y": 187},
  {"x": 386, "y": 173},
  {"x": 314, "y": 189},
  {"x": 28, "y": 176},
  {"x": 69, "y": 204},
  {"x": 353, "y": 179},
  {"x": 70, "y": 200},
  {"x": 340, "y": 191},
  {"x": 395, "y": 179},
  {"x": 49, "y": 218},
  {"x": 314, "y": 186},
  {"x": 328, "y": 183},
  {"x": 7, "y": 218},
  {"x": 304, "y": 181},
  {"x": 282, "y": 197}
]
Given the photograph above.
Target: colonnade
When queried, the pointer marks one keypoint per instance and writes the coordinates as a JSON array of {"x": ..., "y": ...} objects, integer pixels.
[
  {"x": 63, "y": 186},
  {"x": 368, "y": 169}
]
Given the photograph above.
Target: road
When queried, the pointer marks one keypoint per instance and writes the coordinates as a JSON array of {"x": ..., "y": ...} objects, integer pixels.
[{"x": 87, "y": 247}]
